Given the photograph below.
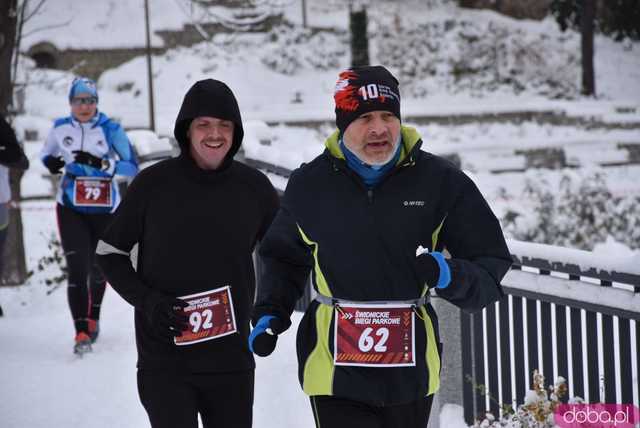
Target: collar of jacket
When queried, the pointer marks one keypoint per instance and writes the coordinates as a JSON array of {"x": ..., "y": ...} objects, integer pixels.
[
  {"x": 205, "y": 176},
  {"x": 411, "y": 142}
]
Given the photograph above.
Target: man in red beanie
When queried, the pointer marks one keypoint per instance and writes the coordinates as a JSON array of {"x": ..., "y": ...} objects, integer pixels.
[
  {"x": 196, "y": 219},
  {"x": 372, "y": 217}
]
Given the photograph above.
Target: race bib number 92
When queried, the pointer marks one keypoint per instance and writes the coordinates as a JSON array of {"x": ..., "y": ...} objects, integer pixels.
[{"x": 210, "y": 315}]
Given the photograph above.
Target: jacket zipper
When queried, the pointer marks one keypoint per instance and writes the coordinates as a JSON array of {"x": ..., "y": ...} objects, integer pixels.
[
  {"x": 407, "y": 163},
  {"x": 82, "y": 139}
]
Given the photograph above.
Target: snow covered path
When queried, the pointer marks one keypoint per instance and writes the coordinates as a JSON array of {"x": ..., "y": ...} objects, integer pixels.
[{"x": 44, "y": 385}]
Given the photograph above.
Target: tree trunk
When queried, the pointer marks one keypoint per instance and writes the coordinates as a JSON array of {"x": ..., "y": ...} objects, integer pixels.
[
  {"x": 359, "y": 38},
  {"x": 14, "y": 261},
  {"x": 586, "y": 29},
  {"x": 8, "y": 26},
  {"x": 15, "y": 268}
]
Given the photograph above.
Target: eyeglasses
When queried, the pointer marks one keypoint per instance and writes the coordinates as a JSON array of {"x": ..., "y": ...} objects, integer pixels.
[{"x": 83, "y": 100}]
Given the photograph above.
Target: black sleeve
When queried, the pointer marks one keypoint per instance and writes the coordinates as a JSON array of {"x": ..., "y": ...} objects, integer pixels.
[
  {"x": 11, "y": 154},
  {"x": 124, "y": 231},
  {"x": 480, "y": 257},
  {"x": 287, "y": 261},
  {"x": 271, "y": 205}
]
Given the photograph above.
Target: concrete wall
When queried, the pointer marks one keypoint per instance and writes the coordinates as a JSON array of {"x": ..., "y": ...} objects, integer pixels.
[
  {"x": 85, "y": 62},
  {"x": 93, "y": 62}
]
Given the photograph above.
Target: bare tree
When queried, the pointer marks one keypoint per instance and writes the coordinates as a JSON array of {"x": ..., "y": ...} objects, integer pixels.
[
  {"x": 8, "y": 31},
  {"x": 13, "y": 16},
  {"x": 587, "y": 23}
]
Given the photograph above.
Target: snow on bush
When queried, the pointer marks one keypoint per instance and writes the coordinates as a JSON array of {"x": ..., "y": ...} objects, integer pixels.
[
  {"x": 581, "y": 213},
  {"x": 289, "y": 49},
  {"x": 538, "y": 408},
  {"x": 478, "y": 57},
  {"x": 461, "y": 55}
]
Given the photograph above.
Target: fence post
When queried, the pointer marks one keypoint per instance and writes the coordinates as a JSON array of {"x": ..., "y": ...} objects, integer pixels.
[{"x": 451, "y": 381}]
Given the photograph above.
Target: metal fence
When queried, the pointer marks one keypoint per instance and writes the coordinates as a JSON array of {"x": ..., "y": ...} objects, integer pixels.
[{"x": 583, "y": 325}]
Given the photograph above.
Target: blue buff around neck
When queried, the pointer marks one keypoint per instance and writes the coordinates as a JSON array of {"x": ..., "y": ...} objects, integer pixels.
[{"x": 370, "y": 174}]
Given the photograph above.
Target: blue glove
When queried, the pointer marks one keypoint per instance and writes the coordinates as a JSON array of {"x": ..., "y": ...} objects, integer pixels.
[
  {"x": 433, "y": 269},
  {"x": 263, "y": 337}
]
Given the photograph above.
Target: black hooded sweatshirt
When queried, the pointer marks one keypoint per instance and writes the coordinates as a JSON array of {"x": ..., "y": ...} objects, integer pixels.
[{"x": 196, "y": 231}]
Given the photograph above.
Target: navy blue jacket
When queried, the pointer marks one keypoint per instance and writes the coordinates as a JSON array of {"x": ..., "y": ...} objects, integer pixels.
[{"x": 360, "y": 244}]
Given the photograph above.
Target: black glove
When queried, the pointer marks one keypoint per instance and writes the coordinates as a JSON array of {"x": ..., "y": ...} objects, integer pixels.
[
  {"x": 433, "y": 269},
  {"x": 53, "y": 164},
  {"x": 165, "y": 315},
  {"x": 87, "y": 158},
  {"x": 263, "y": 337}
]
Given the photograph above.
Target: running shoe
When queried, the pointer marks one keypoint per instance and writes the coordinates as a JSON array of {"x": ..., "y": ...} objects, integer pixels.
[{"x": 83, "y": 344}]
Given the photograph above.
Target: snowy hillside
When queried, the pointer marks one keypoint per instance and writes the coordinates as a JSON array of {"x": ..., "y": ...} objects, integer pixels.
[{"x": 446, "y": 57}]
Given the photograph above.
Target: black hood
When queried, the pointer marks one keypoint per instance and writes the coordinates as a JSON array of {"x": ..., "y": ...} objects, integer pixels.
[{"x": 212, "y": 98}]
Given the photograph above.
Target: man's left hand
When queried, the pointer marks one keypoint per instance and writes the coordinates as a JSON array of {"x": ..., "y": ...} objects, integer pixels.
[{"x": 433, "y": 269}]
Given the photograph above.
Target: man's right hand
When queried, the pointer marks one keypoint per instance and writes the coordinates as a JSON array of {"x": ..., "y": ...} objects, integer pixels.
[
  {"x": 54, "y": 164},
  {"x": 165, "y": 315},
  {"x": 263, "y": 337}
]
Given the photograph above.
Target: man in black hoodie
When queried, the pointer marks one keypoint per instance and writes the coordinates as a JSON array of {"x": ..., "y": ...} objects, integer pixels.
[{"x": 196, "y": 219}]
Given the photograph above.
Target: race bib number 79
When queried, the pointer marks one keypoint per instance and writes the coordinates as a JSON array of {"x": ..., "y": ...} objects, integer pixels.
[
  {"x": 374, "y": 336},
  {"x": 210, "y": 315},
  {"x": 92, "y": 192}
]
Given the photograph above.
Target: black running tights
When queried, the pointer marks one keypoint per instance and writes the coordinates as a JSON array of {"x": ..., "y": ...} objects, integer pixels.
[
  {"x": 79, "y": 234},
  {"x": 223, "y": 400},
  {"x": 335, "y": 412}
]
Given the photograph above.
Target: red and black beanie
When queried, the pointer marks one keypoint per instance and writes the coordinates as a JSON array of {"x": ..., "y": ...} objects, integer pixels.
[{"x": 360, "y": 90}]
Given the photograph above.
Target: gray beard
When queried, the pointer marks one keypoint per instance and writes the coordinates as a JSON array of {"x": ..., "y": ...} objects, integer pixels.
[{"x": 391, "y": 155}]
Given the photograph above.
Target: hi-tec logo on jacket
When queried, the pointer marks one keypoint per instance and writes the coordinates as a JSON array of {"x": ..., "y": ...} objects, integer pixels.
[
  {"x": 67, "y": 141},
  {"x": 413, "y": 203}
]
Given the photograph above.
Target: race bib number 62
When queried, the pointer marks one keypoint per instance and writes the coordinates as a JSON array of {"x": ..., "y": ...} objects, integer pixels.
[{"x": 374, "y": 336}]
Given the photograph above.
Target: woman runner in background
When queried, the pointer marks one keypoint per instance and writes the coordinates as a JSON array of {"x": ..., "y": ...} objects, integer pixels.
[{"x": 92, "y": 149}]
